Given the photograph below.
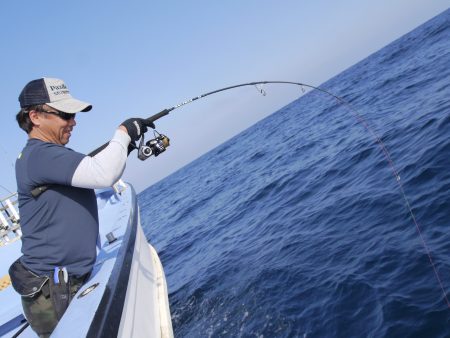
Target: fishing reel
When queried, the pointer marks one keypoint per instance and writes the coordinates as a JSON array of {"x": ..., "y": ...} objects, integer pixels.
[{"x": 155, "y": 146}]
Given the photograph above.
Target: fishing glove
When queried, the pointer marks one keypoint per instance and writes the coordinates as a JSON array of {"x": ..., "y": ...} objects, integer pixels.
[{"x": 137, "y": 127}]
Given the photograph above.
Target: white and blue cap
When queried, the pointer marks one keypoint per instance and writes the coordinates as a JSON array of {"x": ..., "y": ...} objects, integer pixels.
[{"x": 53, "y": 93}]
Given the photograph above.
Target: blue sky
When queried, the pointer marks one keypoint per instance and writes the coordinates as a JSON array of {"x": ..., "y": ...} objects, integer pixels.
[{"x": 138, "y": 57}]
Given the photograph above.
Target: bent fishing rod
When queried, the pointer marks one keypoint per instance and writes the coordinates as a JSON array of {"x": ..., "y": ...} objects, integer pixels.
[
  {"x": 166, "y": 111},
  {"x": 161, "y": 142}
]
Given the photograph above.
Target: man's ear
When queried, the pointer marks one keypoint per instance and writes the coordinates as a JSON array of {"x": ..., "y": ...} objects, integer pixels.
[{"x": 35, "y": 117}]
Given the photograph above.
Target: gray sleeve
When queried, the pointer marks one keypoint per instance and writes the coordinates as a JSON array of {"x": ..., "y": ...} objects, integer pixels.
[{"x": 105, "y": 168}]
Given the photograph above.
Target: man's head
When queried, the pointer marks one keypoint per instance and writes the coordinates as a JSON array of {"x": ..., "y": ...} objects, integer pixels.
[{"x": 48, "y": 110}]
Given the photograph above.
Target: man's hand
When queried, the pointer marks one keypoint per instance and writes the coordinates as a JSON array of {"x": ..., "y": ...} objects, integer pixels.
[{"x": 136, "y": 127}]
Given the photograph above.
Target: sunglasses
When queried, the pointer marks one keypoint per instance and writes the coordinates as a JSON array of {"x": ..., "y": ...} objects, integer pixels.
[{"x": 64, "y": 116}]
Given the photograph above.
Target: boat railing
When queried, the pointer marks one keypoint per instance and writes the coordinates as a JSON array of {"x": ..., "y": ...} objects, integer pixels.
[{"x": 9, "y": 220}]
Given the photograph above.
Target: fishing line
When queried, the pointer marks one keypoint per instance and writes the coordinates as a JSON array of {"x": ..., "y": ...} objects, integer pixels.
[
  {"x": 258, "y": 85},
  {"x": 162, "y": 141}
]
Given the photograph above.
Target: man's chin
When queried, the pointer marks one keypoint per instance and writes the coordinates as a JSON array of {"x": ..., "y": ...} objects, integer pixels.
[{"x": 64, "y": 141}]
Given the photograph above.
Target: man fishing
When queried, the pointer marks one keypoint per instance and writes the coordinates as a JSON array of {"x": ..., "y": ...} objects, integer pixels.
[{"x": 60, "y": 225}]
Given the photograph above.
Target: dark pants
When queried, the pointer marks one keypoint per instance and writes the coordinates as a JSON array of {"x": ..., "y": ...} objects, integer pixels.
[{"x": 39, "y": 309}]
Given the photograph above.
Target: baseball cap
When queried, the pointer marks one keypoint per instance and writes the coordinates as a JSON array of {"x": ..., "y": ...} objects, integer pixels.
[{"x": 53, "y": 93}]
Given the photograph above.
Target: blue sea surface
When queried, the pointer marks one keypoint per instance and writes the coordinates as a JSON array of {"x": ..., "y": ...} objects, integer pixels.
[{"x": 297, "y": 227}]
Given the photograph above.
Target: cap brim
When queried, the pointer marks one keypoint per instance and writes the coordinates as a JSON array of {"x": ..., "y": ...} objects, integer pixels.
[{"x": 70, "y": 106}]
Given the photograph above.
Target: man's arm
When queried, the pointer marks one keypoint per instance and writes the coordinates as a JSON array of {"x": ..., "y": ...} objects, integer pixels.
[{"x": 105, "y": 168}]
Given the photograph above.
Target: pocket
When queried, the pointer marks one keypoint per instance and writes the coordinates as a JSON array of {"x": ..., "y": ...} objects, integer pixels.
[
  {"x": 25, "y": 282},
  {"x": 60, "y": 291}
]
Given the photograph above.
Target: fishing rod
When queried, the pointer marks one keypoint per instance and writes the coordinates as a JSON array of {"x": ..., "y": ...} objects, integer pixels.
[
  {"x": 159, "y": 144},
  {"x": 166, "y": 111}
]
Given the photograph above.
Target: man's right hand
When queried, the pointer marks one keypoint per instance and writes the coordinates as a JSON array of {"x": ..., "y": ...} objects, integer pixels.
[{"x": 136, "y": 127}]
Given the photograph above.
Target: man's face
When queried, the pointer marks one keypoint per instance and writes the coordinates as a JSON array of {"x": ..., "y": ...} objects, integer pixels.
[{"x": 53, "y": 128}]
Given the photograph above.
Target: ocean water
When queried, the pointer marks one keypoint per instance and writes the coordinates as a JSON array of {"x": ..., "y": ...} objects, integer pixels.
[{"x": 296, "y": 227}]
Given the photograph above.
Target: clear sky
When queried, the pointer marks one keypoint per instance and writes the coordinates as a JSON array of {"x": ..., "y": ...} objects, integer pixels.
[{"x": 134, "y": 58}]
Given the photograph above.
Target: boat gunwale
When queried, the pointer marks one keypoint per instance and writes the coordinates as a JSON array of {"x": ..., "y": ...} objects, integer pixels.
[{"x": 106, "y": 321}]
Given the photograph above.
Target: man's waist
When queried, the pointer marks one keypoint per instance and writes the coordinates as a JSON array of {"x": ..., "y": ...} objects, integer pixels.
[{"x": 41, "y": 268}]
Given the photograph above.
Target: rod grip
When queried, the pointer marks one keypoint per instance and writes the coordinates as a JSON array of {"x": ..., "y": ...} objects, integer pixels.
[{"x": 159, "y": 115}]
